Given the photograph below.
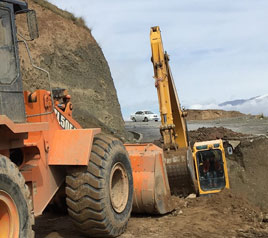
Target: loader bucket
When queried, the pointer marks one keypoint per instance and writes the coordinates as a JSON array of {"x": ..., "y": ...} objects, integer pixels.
[{"x": 151, "y": 188}]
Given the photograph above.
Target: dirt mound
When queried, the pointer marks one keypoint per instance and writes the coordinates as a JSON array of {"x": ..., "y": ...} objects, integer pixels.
[
  {"x": 211, "y": 114},
  {"x": 227, "y": 202},
  {"x": 220, "y": 215},
  {"x": 69, "y": 52},
  {"x": 212, "y": 133},
  {"x": 248, "y": 170},
  {"x": 247, "y": 166}
]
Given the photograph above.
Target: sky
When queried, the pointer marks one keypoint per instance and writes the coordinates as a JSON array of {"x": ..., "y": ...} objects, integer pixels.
[{"x": 218, "y": 49}]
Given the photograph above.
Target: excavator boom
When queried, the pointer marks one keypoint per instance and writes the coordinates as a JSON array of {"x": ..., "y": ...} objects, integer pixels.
[
  {"x": 172, "y": 117},
  {"x": 178, "y": 156}
]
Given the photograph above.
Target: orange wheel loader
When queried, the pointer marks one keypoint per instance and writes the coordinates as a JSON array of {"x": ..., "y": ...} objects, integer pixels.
[
  {"x": 201, "y": 171},
  {"x": 41, "y": 146}
]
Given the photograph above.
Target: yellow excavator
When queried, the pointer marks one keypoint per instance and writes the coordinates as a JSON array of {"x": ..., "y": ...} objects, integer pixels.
[{"x": 202, "y": 170}]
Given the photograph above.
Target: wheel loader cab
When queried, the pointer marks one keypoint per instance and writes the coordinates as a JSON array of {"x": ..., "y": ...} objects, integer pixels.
[
  {"x": 210, "y": 165},
  {"x": 8, "y": 66},
  {"x": 11, "y": 92}
]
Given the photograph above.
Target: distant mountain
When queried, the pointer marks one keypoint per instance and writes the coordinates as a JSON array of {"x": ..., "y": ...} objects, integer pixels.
[
  {"x": 255, "y": 105},
  {"x": 236, "y": 102}
]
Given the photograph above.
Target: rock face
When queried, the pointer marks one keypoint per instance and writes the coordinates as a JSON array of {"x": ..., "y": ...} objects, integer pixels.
[{"x": 75, "y": 62}]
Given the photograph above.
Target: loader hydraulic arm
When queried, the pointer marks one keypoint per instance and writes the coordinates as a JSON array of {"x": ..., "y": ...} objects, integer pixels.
[{"x": 173, "y": 128}]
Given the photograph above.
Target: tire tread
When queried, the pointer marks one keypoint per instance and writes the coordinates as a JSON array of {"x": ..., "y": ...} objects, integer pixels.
[
  {"x": 85, "y": 192},
  {"x": 8, "y": 168}
]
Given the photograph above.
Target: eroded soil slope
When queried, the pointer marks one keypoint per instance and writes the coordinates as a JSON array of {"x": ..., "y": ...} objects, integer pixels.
[{"x": 67, "y": 49}]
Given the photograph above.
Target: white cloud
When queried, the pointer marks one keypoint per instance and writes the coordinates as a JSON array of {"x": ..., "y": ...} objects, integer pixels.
[
  {"x": 202, "y": 107},
  {"x": 218, "y": 49},
  {"x": 253, "y": 106}
]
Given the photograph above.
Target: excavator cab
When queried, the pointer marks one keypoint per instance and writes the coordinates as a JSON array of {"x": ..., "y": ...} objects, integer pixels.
[{"x": 210, "y": 166}]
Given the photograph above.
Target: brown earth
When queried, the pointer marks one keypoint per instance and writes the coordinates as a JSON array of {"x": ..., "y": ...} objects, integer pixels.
[
  {"x": 212, "y": 133},
  {"x": 248, "y": 171},
  {"x": 211, "y": 114},
  {"x": 221, "y": 215},
  {"x": 67, "y": 49}
]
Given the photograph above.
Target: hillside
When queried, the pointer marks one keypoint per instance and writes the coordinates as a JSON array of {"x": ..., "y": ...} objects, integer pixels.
[
  {"x": 67, "y": 49},
  {"x": 211, "y": 114}
]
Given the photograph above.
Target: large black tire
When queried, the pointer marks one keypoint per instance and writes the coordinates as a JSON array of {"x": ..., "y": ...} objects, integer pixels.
[
  {"x": 145, "y": 119},
  {"x": 15, "y": 202},
  {"x": 93, "y": 193}
]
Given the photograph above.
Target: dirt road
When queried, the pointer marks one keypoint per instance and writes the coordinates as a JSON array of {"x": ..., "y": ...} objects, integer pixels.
[
  {"x": 246, "y": 125},
  {"x": 240, "y": 212}
]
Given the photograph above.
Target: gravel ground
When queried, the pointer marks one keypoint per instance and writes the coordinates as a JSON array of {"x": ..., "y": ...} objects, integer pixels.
[{"x": 246, "y": 125}]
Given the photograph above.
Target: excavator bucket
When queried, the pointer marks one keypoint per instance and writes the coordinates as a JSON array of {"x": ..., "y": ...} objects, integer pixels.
[
  {"x": 151, "y": 188},
  {"x": 181, "y": 173}
]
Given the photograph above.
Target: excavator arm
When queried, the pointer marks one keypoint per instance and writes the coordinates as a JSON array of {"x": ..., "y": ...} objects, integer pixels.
[
  {"x": 177, "y": 153},
  {"x": 173, "y": 128}
]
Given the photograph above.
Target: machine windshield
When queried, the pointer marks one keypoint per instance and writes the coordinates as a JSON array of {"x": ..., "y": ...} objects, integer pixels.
[
  {"x": 211, "y": 171},
  {"x": 8, "y": 65}
]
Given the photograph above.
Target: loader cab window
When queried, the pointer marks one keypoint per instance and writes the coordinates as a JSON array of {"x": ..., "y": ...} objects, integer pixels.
[
  {"x": 8, "y": 64},
  {"x": 211, "y": 170}
]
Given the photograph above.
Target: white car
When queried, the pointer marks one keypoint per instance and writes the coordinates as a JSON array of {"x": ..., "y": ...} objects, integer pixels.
[{"x": 144, "y": 116}]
